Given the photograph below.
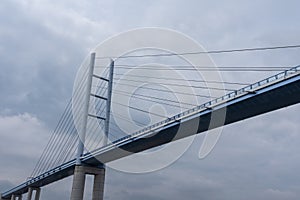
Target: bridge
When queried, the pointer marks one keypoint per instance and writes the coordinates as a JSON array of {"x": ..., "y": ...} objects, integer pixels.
[{"x": 275, "y": 92}]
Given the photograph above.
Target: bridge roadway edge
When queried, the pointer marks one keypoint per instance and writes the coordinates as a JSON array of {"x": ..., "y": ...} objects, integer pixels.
[{"x": 256, "y": 104}]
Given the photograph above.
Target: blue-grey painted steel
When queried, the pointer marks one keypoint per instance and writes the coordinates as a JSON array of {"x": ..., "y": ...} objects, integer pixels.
[{"x": 267, "y": 95}]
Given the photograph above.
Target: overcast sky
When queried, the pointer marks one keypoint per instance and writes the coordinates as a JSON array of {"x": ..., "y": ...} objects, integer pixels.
[{"x": 42, "y": 44}]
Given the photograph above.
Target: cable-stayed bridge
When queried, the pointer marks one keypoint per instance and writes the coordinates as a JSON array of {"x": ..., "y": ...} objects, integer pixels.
[{"x": 76, "y": 148}]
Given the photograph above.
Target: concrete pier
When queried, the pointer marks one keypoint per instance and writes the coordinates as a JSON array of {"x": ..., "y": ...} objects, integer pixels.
[
  {"x": 79, "y": 182},
  {"x": 37, "y": 193},
  {"x": 98, "y": 186},
  {"x": 16, "y": 197}
]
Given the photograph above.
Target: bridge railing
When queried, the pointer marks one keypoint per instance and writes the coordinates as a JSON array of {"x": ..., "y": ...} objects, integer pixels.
[
  {"x": 208, "y": 105},
  {"x": 161, "y": 124},
  {"x": 250, "y": 88}
]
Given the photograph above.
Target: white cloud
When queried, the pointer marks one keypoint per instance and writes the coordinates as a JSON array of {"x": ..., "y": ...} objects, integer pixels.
[
  {"x": 278, "y": 194},
  {"x": 23, "y": 137}
]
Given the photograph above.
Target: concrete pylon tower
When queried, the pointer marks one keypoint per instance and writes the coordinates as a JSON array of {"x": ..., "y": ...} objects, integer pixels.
[{"x": 81, "y": 169}]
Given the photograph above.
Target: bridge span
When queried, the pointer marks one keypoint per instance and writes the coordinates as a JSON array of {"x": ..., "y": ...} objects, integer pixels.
[{"x": 275, "y": 92}]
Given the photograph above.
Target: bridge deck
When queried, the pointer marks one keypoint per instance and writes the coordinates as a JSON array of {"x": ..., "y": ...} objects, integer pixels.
[{"x": 270, "y": 94}]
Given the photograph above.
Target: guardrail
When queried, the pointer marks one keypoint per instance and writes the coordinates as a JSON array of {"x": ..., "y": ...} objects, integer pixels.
[
  {"x": 46, "y": 174},
  {"x": 149, "y": 129},
  {"x": 231, "y": 95}
]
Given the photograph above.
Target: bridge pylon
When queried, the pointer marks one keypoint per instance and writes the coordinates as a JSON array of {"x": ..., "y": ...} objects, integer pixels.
[
  {"x": 81, "y": 170},
  {"x": 79, "y": 182}
]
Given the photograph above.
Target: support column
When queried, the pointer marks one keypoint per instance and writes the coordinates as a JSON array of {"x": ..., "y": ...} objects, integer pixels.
[
  {"x": 98, "y": 187},
  {"x": 80, "y": 169},
  {"x": 108, "y": 101},
  {"x": 29, "y": 195},
  {"x": 78, "y": 183},
  {"x": 16, "y": 197},
  {"x": 85, "y": 112},
  {"x": 37, "y": 193}
]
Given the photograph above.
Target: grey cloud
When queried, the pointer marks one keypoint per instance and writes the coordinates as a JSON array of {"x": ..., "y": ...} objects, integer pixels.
[
  {"x": 247, "y": 163},
  {"x": 43, "y": 43},
  {"x": 5, "y": 185}
]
